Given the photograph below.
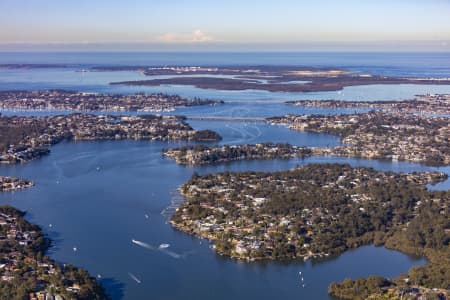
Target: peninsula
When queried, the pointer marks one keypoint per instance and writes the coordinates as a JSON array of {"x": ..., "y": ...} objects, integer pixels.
[
  {"x": 429, "y": 104},
  {"x": 78, "y": 101},
  {"x": 269, "y": 78},
  {"x": 12, "y": 184},
  {"x": 302, "y": 213},
  {"x": 202, "y": 154},
  {"x": 321, "y": 210},
  {"x": 379, "y": 134},
  {"x": 26, "y": 138},
  {"x": 25, "y": 271},
  {"x": 376, "y": 134}
]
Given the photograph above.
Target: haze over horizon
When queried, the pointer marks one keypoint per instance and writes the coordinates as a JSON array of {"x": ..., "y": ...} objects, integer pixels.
[{"x": 200, "y": 25}]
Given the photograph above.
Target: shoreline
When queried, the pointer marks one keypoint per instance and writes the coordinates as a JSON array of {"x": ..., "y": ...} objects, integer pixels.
[
  {"x": 257, "y": 259},
  {"x": 35, "y": 135},
  {"x": 208, "y": 213},
  {"x": 10, "y": 184},
  {"x": 48, "y": 277},
  {"x": 275, "y": 78}
]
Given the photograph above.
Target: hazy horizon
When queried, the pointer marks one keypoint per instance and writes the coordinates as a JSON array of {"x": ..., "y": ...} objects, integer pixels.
[{"x": 324, "y": 25}]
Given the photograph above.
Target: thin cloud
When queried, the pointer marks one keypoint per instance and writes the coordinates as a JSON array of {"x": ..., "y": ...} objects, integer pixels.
[{"x": 197, "y": 36}]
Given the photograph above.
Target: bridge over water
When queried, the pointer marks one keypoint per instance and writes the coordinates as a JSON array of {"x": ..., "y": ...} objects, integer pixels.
[{"x": 224, "y": 118}]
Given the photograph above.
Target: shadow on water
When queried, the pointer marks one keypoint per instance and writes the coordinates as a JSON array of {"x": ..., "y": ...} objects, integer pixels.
[
  {"x": 55, "y": 237},
  {"x": 321, "y": 260},
  {"x": 114, "y": 288},
  {"x": 56, "y": 242}
]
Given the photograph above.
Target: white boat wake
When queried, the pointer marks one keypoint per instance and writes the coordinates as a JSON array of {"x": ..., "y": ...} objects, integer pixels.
[
  {"x": 162, "y": 248},
  {"x": 134, "y": 277},
  {"x": 171, "y": 253}
]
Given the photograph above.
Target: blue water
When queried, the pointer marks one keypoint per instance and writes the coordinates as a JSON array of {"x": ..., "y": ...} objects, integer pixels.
[
  {"x": 100, "y": 212},
  {"x": 390, "y": 64},
  {"x": 95, "y": 195},
  {"x": 70, "y": 79},
  {"x": 436, "y": 64}
]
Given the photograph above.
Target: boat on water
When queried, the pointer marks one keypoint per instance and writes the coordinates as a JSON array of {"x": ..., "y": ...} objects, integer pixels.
[
  {"x": 163, "y": 246},
  {"x": 142, "y": 244}
]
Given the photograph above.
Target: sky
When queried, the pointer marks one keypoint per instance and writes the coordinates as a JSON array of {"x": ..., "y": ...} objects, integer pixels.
[{"x": 225, "y": 25}]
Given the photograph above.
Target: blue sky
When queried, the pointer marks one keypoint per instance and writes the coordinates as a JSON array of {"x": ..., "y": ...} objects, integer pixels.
[{"x": 231, "y": 24}]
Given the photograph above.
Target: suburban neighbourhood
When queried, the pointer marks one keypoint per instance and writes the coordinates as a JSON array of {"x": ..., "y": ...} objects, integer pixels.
[
  {"x": 11, "y": 184},
  {"x": 83, "y": 101},
  {"x": 380, "y": 135},
  {"x": 24, "y": 266},
  {"x": 27, "y": 138}
]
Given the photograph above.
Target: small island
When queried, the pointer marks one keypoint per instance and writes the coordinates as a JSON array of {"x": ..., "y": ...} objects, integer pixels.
[
  {"x": 321, "y": 210},
  {"x": 26, "y": 138},
  {"x": 12, "y": 184},
  {"x": 380, "y": 135},
  {"x": 78, "y": 101},
  {"x": 25, "y": 271}
]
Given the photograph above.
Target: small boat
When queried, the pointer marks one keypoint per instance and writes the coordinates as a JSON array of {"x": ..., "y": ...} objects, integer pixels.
[
  {"x": 75, "y": 249},
  {"x": 163, "y": 246},
  {"x": 146, "y": 216}
]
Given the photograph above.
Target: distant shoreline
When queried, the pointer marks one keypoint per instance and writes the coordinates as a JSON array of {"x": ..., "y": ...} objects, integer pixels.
[{"x": 267, "y": 78}]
